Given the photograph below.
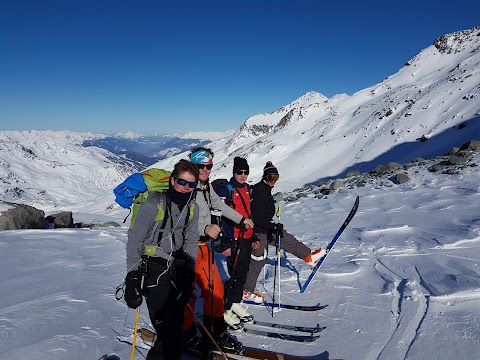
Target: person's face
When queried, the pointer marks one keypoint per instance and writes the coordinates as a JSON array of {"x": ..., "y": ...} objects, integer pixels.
[
  {"x": 241, "y": 176},
  {"x": 271, "y": 179},
  {"x": 184, "y": 183},
  {"x": 204, "y": 171}
]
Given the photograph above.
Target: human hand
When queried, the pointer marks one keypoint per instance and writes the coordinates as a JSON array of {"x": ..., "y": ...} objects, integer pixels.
[
  {"x": 213, "y": 230},
  {"x": 227, "y": 252},
  {"x": 248, "y": 223},
  {"x": 255, "y": 245}
]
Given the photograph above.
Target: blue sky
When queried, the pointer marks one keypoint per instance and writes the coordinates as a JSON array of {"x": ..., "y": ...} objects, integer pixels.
[{"x": 160, "y": 66}]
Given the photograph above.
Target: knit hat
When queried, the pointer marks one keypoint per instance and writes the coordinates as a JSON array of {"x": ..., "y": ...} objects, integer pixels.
[
  {"x": 269, "y": 169},
  {"x": 240, "y": 164}
]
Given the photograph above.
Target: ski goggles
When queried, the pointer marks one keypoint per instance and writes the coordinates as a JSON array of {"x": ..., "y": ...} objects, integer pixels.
[
  {"x": 183, "y": 182},
  {"x": 208, "y": 166},
  {"x": 272, "y": 177},
  {"x": 242, "y": 172}
]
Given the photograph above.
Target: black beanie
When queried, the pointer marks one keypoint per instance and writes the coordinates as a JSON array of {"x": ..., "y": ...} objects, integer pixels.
[
  {"x": 239, "y": 164},
  {"x": 269, "y": 169}
]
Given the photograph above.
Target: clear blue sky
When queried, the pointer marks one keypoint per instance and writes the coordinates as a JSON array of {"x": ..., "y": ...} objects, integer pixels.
[{"x": 175, "y": 66}]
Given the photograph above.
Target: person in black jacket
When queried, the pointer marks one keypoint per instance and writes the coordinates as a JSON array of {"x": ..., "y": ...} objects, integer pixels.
[{"x": 263, "y": 210}]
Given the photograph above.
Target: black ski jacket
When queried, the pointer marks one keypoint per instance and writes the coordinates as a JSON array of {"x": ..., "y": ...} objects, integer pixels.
[{"x": 263, "y": 207}]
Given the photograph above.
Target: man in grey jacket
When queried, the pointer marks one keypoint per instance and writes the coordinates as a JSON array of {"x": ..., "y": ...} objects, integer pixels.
[{"x": 207, "y": 275}]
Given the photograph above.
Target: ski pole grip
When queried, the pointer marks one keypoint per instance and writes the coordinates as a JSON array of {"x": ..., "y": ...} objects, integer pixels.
[{"x": 279, "y": 210}]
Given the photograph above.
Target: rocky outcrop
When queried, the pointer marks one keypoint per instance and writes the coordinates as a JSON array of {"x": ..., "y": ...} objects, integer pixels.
[
  {"x": 453, "y": 162},
  {"x": 20, "y": 216}
]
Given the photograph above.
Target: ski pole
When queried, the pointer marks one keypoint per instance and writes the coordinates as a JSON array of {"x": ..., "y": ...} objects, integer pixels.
[
  {"x": 143, "y": 270},
  {"x": 277, "y": 265},
  {"x": 207, "y": 332},
  {"x": 134, "y": 342}
]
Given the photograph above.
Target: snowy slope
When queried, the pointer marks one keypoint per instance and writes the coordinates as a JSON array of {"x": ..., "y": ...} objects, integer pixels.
[
  {"x": 51, "y": 170},
  {"x": 403, "y": 281},
  {"x": 434, "y": 93}
]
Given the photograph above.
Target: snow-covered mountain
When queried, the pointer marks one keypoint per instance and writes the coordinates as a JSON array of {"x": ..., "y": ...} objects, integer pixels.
[
  {"x": 63, "y": 170},
  {"x": 149, "y": 149},
  {"x": 403, "y": 281},
  {"x": 436, "y": 95},
  {"x": 52, "y": 170}
]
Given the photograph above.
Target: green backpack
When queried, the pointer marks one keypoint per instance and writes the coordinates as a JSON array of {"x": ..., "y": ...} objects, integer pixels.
[{"x": 156, "y": 180}]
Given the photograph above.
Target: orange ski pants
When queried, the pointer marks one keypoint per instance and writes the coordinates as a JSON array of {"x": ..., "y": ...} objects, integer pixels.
[{"x": 203, "y": 278}]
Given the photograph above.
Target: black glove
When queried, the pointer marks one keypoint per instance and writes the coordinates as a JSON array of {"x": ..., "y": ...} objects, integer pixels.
[
  {"x": 133, "y": 289},
  {"x": 224, "y": 245},
  {"x": 277, "y": 228}
]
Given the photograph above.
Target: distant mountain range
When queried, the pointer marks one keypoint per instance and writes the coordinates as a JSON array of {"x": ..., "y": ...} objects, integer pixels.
[
  {"x": 148, "y": 149},
  {"x": 429, "y": 106}
]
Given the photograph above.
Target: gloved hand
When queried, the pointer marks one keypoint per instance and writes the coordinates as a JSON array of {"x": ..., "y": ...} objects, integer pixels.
[
  {"x": 224, "y": 245},
  {"x": 133, "y": 292},
  {"x": 277, "y": 228}
]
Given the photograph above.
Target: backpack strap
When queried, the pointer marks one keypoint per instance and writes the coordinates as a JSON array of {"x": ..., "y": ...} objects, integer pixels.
[
  {"x": 230, "y": 188},
  {"x": 164, "y": 208}
]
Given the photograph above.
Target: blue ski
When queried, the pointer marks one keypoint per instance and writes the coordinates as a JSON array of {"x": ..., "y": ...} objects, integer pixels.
[{"x": 331, "y": 244}]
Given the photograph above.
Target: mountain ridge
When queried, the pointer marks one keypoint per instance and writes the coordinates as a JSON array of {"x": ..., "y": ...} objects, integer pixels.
[{"x": 434, "y": 96}]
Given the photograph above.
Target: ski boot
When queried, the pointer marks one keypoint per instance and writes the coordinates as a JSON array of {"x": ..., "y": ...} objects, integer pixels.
[
  {"x": 232, "y": 320},
  {"x": 254, "y": 296},
  {"x": 230, "y": 344},
  {"x": 242, "y": 312},
  {"x": 315, "y": 256}
]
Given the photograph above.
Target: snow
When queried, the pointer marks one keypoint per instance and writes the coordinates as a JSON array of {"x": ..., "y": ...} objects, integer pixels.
[{"x": 403, "y": 281}]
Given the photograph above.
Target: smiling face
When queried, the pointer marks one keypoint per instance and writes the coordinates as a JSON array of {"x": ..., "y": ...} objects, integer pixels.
[
  {"x": 241, "y": 176},
  {"x": 271, "y": 179},
  {"x": 189, "y": 181},
  {"x": 204, "y": 171}
]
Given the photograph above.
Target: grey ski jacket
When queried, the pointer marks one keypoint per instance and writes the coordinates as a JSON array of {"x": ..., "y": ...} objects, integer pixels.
[{"x": 146, "y": 231}]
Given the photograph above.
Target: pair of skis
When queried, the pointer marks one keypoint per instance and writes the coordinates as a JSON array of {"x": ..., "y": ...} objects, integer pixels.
[
  {"x": 317, "y": 266},
  {"x": 282, "y": 331}
]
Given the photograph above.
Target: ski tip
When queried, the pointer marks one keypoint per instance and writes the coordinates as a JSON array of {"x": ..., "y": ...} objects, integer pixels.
[{"x": 109, "y": 357}]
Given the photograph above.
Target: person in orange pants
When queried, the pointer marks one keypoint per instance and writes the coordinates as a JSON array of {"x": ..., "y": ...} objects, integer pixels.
[
  {"x": 203, "y": 271},
  {"x": 209, "y": 281}
]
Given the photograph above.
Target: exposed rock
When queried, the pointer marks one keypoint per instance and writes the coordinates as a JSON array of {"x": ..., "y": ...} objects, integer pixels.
[
  {"x": 471, "y": 145},
  {"x": 108, "y": 224},
  {"x": 21, "y": 216},
  {"x": 62, "y": 219},
  {"x": 335, "y": 185},
  {"x": 452, "y": 151},
  {"x": 400, "y": 178},
  {"x": 456, "y": 160},
  {"x": 352, "y": 173}
]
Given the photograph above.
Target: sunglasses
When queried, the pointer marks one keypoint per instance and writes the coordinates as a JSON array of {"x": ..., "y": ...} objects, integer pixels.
[
  {"x": 241, "y": 172},
  {"x": 208, "y": 166},
  {"x": 183, "y": 182},
  {"x": 272, "y": 177}
]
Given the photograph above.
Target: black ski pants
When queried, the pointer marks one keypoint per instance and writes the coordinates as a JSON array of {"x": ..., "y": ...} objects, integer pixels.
[
  {"x": 166, "y": 313},
  {"x": 237, "y": 269}
]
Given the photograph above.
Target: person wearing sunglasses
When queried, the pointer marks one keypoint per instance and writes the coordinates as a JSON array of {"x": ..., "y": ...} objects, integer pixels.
[
  {"x": 207, "y": 276},
  {"x": 237, "y": 241},
  {"x": 263, "y": 210},
  {"x": 162, "y": 245}
]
